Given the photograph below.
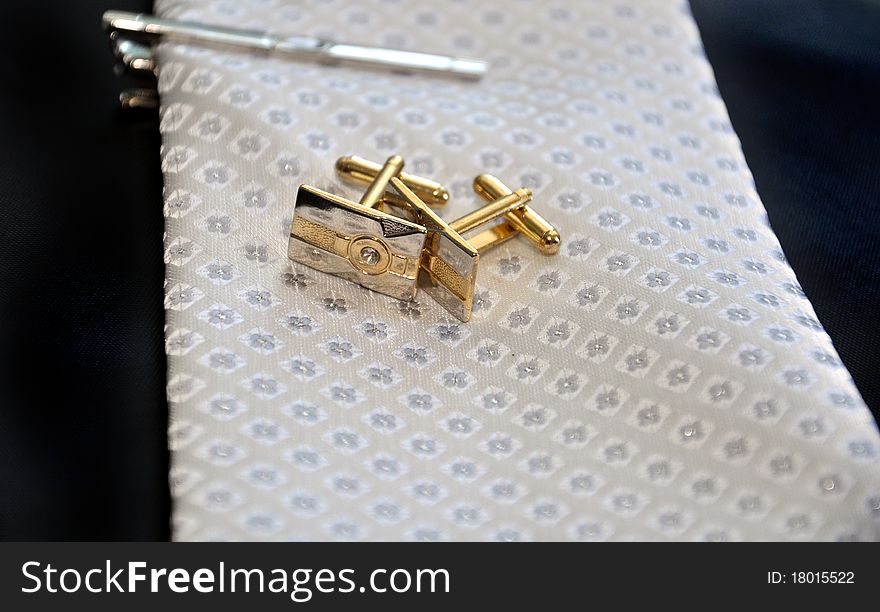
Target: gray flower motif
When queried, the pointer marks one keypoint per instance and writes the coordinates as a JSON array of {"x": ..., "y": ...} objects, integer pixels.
[
  {"x": 410, "y": 310},
  {"x": 218, "y": 224},
  {"x": 181, "y": 296},
  {"x": 540, "y": 464},
  {"x": 222, "y": 361},
  {"x": 220, "y": 271},
  {"x": 262, "y": 385},
  {"x": 658, "y": 278},
  {"x": 210, "y": 127},
  {"x": 796, "y": 377},
  {"x": 767, "y": 299},
  {"x": 558, "y": 332},
  {"x": 510, "y": 265},
  {"x": 751, "y": 357},
  {"x": 667, "y": 325},
  {"x": 717, "y": 245},
  {"x": 633, "y": 165},
  {"x": 382, "y": 376},
  {"x": 383, "y": 420},
  {"x": 240, "y": 96},
  {"x": 333, "y": 305},
  {"x": 579, "y": 248},
  {"x": 619, "y": 263},
  {"x": 567, "y": 384},
  {"x": 296, "y": 280},
  {"x": 709, "y": 212},
  {"x": 215, "y": 175},
  {"x": 648, "y": 416},
  {"x": 460, "y": 425},
  {"x": 221, "y": 316},
  {"x": 597, "y": 346},
  {"x": 489, "y": 352},
  {"x": 455, "y": 380},
  {"x": 256, "y": 252},
  {"x": 344, "y": 394},
  {"x": 262, "y": 342},
  {"x": 640, "y": 200},
  {"x": 765, "y": 409},
  {"x": 736, "y": 448},
  {"x": 279, "y": 117},
  {"x": 703, "y": 487},
  {"x": 708, "y": 340},
  {"x": 649, "y": 239},
  {"x": 529, "y": 368},
  {"x": 249, "y": 144},
  {"x": 494, "y": 401},
  {"x": 422, "y": 402},
  {"x": 691, "y": 432},
  {"x": 424, "y": 446},
  {"x": 687, "y": 258},
  {"x": 731, "y": 279},
  {"x": 671, "y": 189},
  {"x": 738, "y": 315},
  {"x": 571, "y": 201},
  {"x": 375, "y": 330},
  {"x": 627, "y": 310},
  {"x": 808, "y": 322},
  {"x": 678, "y": 376},
  {"x": 305, "y": 368},
  {"x": 720, "y": 392},
  {"x": 300, "y": 324},
  {"x": 755, "y": 266},
  {"x": 607, "y": 399},
  {"x": 679, "y": 223},
  {"x": 781, "y": 334},
  {"x": 588, "y": 295},
  {"x": 636, "y": 361},
  {"x": 417, "y": 355},
  {"x": 610, "y": 218},
  {"x": 659, "y": 470},
  {"x": 255, "y": 198},
  {"x": 258, "y": 297},
  {"x": 520, "y": 317},
  {"x": 794, "y": 289},
  {"x": 698, "y": 295},
  {"x": 340, "y": 350},
  {"x": 549, "y": 281},
  {"x": 482, "y": 301},
  {"x": 748, "y": 235},
  {"x": 448, "y": 332},
  {"x": 288, "y": 167}
]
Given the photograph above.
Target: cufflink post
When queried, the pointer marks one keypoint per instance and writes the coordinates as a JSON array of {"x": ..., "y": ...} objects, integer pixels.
[
  {"x": 525, "y": 219},
  {"x": 355, "y": 169},
  {"x": 373, "y": 195}
]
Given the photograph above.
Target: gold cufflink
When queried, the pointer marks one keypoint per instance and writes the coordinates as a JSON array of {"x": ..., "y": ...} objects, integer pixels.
[
  {"x": 357, "y": 242},
  {"x": 449, "y": 262},
  {"x": 394, "y": 255}
]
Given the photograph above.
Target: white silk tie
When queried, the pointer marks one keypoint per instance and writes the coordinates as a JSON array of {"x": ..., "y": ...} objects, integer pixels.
[{"x": 662, "y": 377}]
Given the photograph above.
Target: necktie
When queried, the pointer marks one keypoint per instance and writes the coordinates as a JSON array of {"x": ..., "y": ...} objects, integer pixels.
[{"x": 663, "y": 377}]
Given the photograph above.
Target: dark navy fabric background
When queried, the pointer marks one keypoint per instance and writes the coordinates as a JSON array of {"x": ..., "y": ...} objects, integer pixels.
[{"x": 83, "y": 452}]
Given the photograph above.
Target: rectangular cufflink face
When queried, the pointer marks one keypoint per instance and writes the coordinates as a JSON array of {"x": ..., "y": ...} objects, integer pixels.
[
  {"x": 449, "y": 263},
  {"x": 360, "y": 244}
]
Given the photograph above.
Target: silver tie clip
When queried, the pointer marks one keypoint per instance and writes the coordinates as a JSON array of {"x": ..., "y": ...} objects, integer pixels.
[{"x": 295, "y": 47}]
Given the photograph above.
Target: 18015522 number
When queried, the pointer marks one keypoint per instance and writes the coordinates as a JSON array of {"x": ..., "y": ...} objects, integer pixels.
[{"x": 819, "y": 577}]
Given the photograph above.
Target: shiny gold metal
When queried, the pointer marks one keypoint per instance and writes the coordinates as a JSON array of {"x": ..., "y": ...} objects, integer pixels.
[
  {"x": 449, "y": 262},
  {"x": 525, "y": 219},
  {"x": 362, "y": 171},
  {"x": 373, "y": 195},
  {"x": 356, "y": 242}
]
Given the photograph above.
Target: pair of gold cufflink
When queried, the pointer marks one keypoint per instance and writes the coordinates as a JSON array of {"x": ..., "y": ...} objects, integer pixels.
[{"x": 396, "y": 254}]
